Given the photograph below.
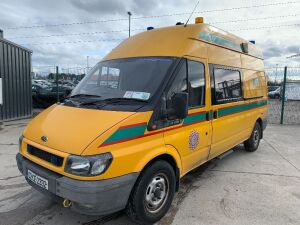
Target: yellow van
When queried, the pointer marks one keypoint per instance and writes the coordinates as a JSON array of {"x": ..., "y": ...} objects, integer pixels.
[{"x": 157, "y": 106}]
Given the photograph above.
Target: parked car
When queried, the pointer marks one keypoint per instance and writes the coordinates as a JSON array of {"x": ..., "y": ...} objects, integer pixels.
[
  {"x": 275, "y": 94},
  {"x": 272, "y": 88},
  {"x": 51, "y": 92},
  {"x": 43, "y": 97}
]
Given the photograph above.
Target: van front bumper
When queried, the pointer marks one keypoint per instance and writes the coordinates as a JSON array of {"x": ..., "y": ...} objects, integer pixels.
[{"x": 87, "y": 197}]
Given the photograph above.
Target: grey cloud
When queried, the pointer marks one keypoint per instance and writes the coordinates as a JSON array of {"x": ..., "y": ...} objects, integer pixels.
[
  {"x": 101, "y": 7},
  {"x": 293, "y": 49},
  {"x": 280, "y": 51},
  {"x": 274, "y": 51}
]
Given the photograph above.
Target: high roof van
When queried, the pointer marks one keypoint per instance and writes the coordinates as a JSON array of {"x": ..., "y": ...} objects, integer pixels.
[{"x": 157, "y": 106}]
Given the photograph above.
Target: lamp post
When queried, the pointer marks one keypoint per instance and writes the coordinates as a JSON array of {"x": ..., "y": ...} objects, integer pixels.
[
  {"x": 129, "y": 20},
  {"x": 87, "y": 64}
]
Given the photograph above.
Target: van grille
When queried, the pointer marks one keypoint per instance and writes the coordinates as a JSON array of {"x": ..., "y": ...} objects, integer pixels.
[{"x": 46, "y": 156}]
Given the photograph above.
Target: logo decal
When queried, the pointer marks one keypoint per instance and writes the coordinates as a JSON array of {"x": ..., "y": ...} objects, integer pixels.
[
  {"x": 44, "y": 138},
  {"x": 193, "y": 140}
]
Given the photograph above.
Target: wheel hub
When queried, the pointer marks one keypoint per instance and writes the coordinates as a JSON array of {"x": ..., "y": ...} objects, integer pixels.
[
  {"x": 156, "y": 193},
  {"x": 256, "y": 137}
]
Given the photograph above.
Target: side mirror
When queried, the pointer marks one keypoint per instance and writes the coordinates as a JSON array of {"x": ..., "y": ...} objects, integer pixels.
[{"x": 179, "y": 106}]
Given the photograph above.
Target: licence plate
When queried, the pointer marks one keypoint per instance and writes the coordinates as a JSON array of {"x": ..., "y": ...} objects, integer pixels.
[{"x": 38, "y": 180}]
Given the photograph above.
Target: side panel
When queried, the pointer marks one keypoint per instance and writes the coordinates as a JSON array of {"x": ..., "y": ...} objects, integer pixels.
[{"x": 222, "y": 56}]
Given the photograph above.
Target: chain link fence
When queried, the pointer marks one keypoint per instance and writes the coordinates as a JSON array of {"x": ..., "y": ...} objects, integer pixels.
[{"x": 284, "y": 95}]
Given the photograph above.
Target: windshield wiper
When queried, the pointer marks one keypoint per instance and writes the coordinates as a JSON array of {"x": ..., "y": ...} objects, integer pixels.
[
  {"x": 124, "y": 99},
  {"x": 84, "y": 96}
]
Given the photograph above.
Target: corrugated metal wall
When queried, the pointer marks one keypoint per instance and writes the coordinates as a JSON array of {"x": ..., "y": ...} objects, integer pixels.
[{"x": 15, "y": 71}]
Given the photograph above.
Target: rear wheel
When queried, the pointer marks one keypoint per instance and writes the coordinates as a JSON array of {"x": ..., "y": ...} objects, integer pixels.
[
  {"x": 252, "y": 143},
  {"x": 153, "y": 194}
]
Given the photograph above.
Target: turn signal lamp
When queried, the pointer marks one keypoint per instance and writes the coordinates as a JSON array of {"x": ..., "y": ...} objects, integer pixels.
[{"x": 199, "y": 20}]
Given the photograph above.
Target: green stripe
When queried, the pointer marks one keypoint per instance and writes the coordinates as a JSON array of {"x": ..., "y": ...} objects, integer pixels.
[
  {"x": 132, "y": 132},
  {"x": 126, "y": 133},
  {"x": 194, "y": 118},
  {"x": 218, "y": 40},
  {"x": 227, "y": 43},
  {"x": 240, "y": 108}
]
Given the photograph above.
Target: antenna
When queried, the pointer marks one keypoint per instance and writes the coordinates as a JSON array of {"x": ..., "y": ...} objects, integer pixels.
[{"x": 191, "y": 14}]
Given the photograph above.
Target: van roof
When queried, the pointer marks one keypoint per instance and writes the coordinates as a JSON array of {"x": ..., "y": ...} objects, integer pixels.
[{"x": 179, "y": 40}]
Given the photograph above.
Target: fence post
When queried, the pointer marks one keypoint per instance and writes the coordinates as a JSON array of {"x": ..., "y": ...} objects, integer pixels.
[
  {"x": 283, "y": 95},
  {"x": 57, "y": 92}
]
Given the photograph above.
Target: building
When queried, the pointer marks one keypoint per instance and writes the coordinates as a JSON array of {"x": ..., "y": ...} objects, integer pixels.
[{"x": 15, "y": 81}]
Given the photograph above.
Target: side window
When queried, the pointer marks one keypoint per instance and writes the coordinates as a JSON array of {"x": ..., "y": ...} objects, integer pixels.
[
  {"x": 190, "y": 78},
  {"x": 253, "y": 82},
  {"x": 227, "y": 85},
  {"x": 179, "y": 84},
  {"x": 196, "y": 84}
]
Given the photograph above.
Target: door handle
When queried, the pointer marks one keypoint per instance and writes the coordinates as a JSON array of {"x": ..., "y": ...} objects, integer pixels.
[
  {"x": 215, "y": 114},
  {"x": 207, "y": 115}
]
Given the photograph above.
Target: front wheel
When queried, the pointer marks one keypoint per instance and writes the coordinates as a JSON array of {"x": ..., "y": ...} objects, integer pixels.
[
  {"x": 153, "y": 194},
  {"x": 252, "y": 143}
]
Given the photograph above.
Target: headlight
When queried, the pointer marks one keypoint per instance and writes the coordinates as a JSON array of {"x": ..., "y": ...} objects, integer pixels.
[
  {"x": 20, "y": 142},
  {"x": 88, "y": 165}
]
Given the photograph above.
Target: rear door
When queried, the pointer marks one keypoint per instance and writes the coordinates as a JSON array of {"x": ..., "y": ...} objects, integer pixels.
[{"x": 192, "y": 136}]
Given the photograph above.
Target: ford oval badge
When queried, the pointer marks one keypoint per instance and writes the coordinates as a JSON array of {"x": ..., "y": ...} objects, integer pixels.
[{"x": 44, "y": 138}]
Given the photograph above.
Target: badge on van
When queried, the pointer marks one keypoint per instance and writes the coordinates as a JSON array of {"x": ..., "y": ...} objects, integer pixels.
[
  {"x": 44, "y": 138},
  {"x": 193, "y": 140}
]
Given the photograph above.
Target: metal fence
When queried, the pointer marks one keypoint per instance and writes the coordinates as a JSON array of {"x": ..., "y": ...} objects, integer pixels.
[
  {"x": 15, "y": 86},
  {"x": 284, "y": 95}
]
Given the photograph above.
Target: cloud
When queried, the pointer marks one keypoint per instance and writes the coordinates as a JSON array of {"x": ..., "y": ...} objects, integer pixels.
[
  {"x": 101, "y": 7},
  {"x": 276, "y": 43}
]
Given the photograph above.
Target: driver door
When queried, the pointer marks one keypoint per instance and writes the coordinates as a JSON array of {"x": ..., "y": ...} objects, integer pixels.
[{"x": 191, "y": 136}]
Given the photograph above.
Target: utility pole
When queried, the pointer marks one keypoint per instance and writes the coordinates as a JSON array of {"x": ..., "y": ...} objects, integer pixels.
[
  {"x": 87, "y": 64},
  {"x": 276, "y": 74},
  {"x": 129, "y": 20},
  {"x": 283, "y": 95},
  {"x": 57, "y": 91}
]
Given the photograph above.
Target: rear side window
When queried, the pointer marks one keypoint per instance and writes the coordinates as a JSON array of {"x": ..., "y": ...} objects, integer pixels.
[{"x": 227, "y": 86}]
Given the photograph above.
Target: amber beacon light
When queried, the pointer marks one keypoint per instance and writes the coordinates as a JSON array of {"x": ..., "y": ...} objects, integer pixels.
[{"x": 199, "y": 20}]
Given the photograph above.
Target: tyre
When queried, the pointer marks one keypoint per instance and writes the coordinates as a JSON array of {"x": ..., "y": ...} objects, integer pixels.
[
  {"x": 252, "y": 143},
  {"x": 153, "y": 193}
]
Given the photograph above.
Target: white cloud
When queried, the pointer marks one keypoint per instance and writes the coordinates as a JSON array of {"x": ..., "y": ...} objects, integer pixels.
[{"x": 277, "y": 43}]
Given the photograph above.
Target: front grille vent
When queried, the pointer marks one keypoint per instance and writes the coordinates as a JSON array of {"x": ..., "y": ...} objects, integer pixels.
[{"x": 46, "y": 156}]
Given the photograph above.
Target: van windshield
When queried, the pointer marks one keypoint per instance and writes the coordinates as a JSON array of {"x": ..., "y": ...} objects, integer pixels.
[{"x": 130, "y": 78}]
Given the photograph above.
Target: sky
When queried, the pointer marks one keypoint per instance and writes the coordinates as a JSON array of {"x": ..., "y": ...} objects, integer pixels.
[{"x": 65, "y": 32}]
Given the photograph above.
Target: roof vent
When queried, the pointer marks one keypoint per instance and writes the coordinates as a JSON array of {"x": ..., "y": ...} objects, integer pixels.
[
  {"x": 179, "y": 23},
  {"x": 150, "y": 28}
]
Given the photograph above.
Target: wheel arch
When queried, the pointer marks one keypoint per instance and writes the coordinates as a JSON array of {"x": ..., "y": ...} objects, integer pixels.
[{"x": 169, "y": 158}]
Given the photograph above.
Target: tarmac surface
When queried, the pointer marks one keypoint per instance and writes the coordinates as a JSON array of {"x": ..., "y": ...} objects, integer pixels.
[{"x": 239, "y": 188}]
